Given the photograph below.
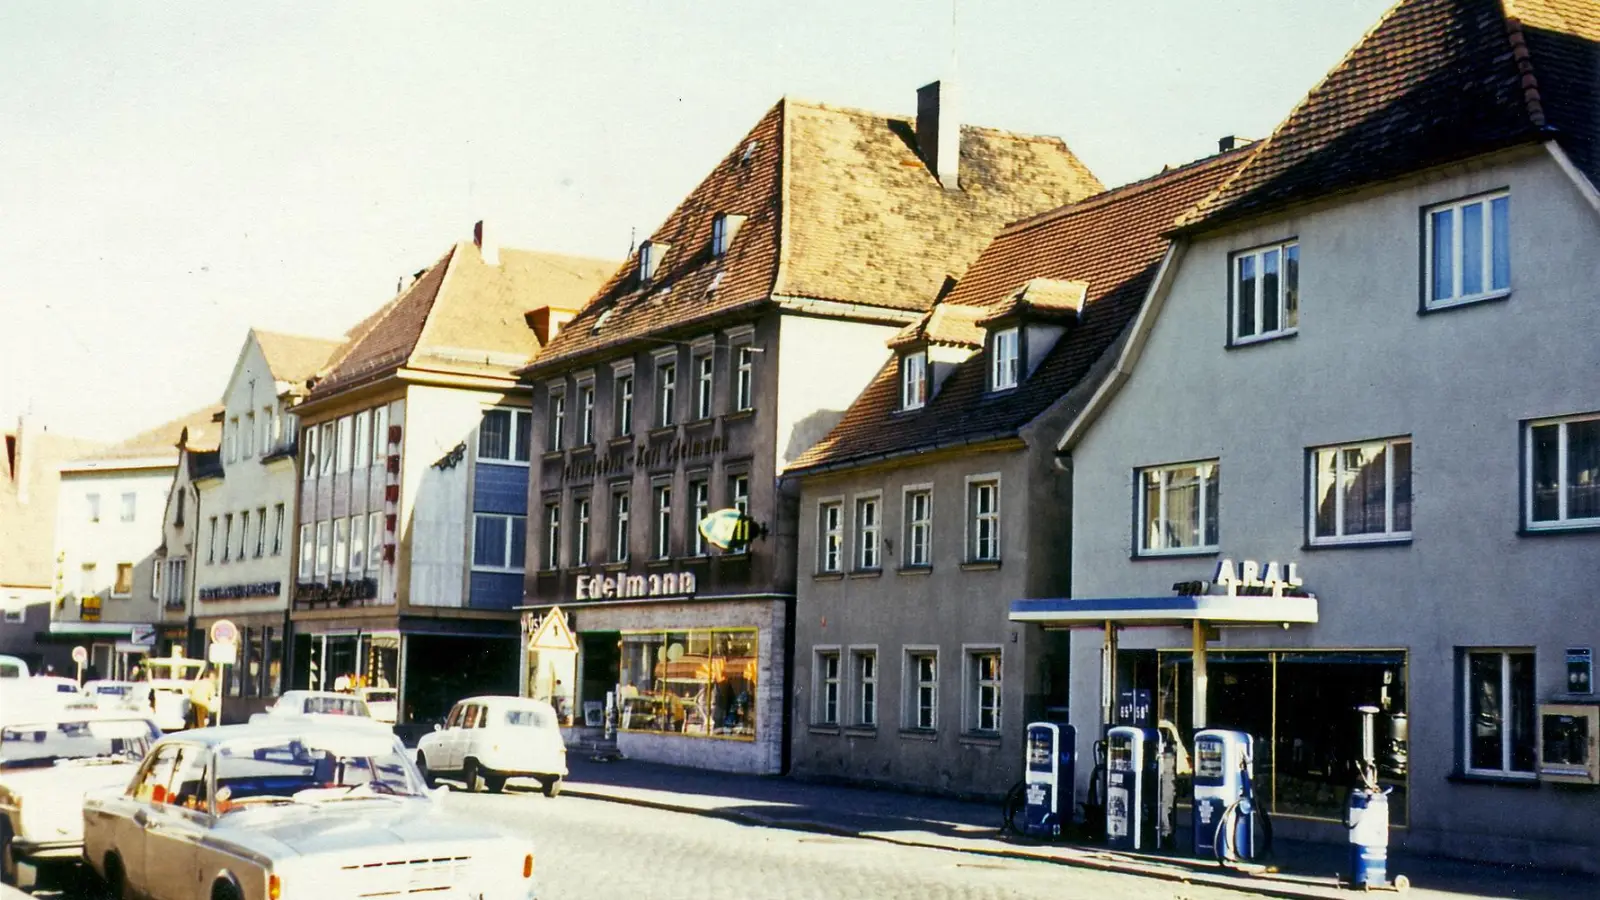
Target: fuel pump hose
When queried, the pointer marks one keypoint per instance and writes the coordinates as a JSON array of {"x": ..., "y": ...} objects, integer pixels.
[{"x": 1224, "y": 844}]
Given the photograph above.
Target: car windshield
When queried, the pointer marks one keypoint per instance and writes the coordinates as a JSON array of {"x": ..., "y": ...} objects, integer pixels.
[
  {"x": 31, "y": 744},
  {"x": 534, "y": 718},
  {"x": 335, "y": 706},
  {"x": 311, "y": 769}
]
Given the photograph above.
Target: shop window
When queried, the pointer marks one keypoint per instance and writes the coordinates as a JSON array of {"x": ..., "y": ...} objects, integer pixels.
[
  {"x": 273, "y": 643},
  {"x": 1178, "y": 508},
  {"x": 697, "y": 683},
  {"x": 864, "y": 668},
  {"x": 1499, "y": 713},
  {"x": 826, "y": 709},
  {"x": 1563, "y": 472},
  {"x": 922, "y": 690},
  {"x": 983, "y": 691},
  {"x": 1363, "y": 492}
]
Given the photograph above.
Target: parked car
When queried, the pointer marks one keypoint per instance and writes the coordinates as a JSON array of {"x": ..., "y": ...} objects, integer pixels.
[
  {"x": 382, "y": 701},
  {"x": 486, "y": 740},
  {"x": 13, "y": 667},
  {"x": 108, "y": 694},
  {"x": 290, "y": 809},
  {"x": 54, "y": 684},
  {"x": 318, "y": 705},
  {"x": 180, "y": 690},
  {"x": 50, "y": 755}
]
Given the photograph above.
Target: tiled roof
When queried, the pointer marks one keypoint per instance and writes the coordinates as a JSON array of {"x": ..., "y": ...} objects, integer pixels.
[
  {"x": 1113, "y": 243},
  {"x": 954, "y": 326},
  {"x": 463, "y": 315},
  {"x": 162, "y": 441},
  {"x": 840, "y": 207},
  {"x": 1043, "y": 298},
  {"x": 1435, "y": 81},
  {"x": 292, "y": 357}
]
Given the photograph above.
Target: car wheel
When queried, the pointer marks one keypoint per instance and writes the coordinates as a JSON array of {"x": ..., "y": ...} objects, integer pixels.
[
  {"x": 225, "y": 890},
  {"x": 422, "y": 766},
  {"x": 551, "y": 786},
  {"x": 495, "y": 783},
  {"x": 116, "y": 886},
  {"x": 8, "y": 858},
  {"x": 469, "y": 774}
]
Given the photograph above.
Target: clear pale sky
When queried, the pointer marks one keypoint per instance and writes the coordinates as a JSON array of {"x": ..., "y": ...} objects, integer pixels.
[{"x": 174, "y": 173}]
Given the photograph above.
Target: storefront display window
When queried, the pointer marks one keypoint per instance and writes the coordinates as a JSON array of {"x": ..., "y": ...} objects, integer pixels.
[{"x": 700, "y": 683}]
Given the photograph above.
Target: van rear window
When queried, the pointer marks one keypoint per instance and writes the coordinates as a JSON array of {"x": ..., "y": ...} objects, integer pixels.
[{"x": 534, "y": 718}]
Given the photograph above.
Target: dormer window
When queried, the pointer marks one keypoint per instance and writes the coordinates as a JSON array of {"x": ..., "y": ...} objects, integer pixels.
[
  {"x": 723, "y": 229},
  {"x": 650, "y": 255},
  {"x": 914, "y": 380},
  {"x": 1003, "y": 351}
]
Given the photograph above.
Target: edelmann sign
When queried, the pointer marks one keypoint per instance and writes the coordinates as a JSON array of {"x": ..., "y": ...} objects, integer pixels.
[{"x": 626, "y": 587}]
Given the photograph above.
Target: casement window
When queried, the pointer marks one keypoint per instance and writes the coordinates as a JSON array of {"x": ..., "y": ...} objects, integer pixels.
[
  {"x": 130, "y": 507},
  {"x": 620, "y": 502},
  {"x": 261, "y": 532},
  {"x": 744, "y": 365},
  {"x": 308, "y": 549},
  {"x": 827, "y": 688},
  {"x": 324, "y": 547},
  {"x": 156, "y": 571},
  {"x": 663, "y": 525},
  {"x": 498, "y": 542},
  {"x": 330, "y": 448},
  {"x": 922, "y": 689},
  {"x": 622, "y": 405},
  {"x": 357, "y": 526},
  {"x": 342, "y": 432},
  {"x": 864, "y": 665},
  {"x": 580, "y": 531},
  {"x": 739, "y": 493},
  {"x": 227, "y": 537},
  {"x": 704, "y": 366},
  {"x": 244, "y": 534},
  {"x": 830, "y": 536},
  {"x": 983, "y": 519},
  {"x": 1562, "y": 472},
  {"x": 230, "y": 439},
  {"x": 248, "y": 435},
  {"x": 666, "y": 394},
  {"x": 278, "y": 513},
  {"x": 555, "y": 426},
  {"x": 374, "y": 541},
  {"x": 983, "y": 691},
  {"x": 504, "y": 435},
  {"x": 699, "y": 508},
  {"x": 1467, "y": 250},
  {"x": 1362, "y": 492},
  {"x": 868, "y": 547},
  {"x": 914, "y": 380},
  {"x": 651, "y": 253},
  {"x": 211, "y": 548},
  {"x": 550, "y": 557},
  {"x": 1178, "y": 508},
  {"x": 1499, "y": 712},
  {"x": 92, "y": 501},
  {"x": 1004, "y": 354},
  {"x": 308, "y": 453},
  {"x": 341, "y": 546},
  {"x": 363, "y": 438},
  {"x": 585, "y": 414},
  {"x": 1266, "y": 292},
  {"x": 919, "y": 527},
  {"x": 123, "y": 587},
  {"x": 173, "y": 584},
  {"x": 380, "y": 434},
  {"x": 724, "y": 226}
]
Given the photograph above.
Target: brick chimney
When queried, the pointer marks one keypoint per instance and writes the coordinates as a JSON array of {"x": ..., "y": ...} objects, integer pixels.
[
  {"x": 486, "y": 245},
  {"x": 939, "y": 133}
]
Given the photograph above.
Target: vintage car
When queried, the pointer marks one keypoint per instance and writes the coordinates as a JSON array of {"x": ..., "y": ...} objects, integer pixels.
[
  {"x": 287, "y": 810},
  {"x": 13, "y": 667},
  {"x": 50, "y": 755},
  {"x": 382, "y": 701},
  {"x": 108, "y": 694},
  {"x": 178, "y": 689},
  {"x": 319, "y": 705},
  {"x": 486, "y": 740}
]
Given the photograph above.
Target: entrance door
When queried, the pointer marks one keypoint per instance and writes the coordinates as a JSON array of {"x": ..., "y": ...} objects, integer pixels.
[{"x": 601, "y": 661}]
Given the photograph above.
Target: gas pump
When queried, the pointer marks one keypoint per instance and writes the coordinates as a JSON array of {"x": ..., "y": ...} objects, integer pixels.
[
  {"x": 1225, "y": 816},
  {"x": 1138, "y": 808},
  {"x": 1049, "y": 770},
  {"x": 1367, "y": 818}
]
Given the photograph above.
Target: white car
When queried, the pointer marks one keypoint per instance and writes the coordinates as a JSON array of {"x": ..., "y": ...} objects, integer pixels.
[
  {"x": 290, "y": 810},
  {"x": 50, "y": 756},
  {"x": 486, "y": 740},
  {"x": 108, "y": 694},
  {"x": 382, "y": 701},
  {"x": 329, "y": 706},
  {"x": 180, "y": 690},
  {"x": 13, "y": 667}
]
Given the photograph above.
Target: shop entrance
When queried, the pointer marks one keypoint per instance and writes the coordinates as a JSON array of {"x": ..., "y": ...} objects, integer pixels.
[
  {"x": 442, "y": 669},
  {"x": 600, "y": 660}
]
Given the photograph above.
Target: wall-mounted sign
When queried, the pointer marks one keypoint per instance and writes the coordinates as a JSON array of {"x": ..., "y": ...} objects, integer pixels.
[
  {"x": 89, "y": 608},
  {"x": 241, "y": 591},
  {"x": 729, "y": 529},
  {"x": 1252, "y": 578},
  {"x": 1580, "y": 670},
  {"x": 551, "y": 632},
  {"x": 643, "y": 454},
  {"x": 624, "y": 587},
  {"x": 337, "y": 592}
]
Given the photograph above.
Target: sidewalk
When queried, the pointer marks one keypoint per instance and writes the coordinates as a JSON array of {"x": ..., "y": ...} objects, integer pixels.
[{"x": 1302, "y": 869}]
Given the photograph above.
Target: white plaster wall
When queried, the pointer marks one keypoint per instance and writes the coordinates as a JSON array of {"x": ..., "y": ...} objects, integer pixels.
[
  {"x": 823, "y": 365},
  {"x": 111, "y": 540}
]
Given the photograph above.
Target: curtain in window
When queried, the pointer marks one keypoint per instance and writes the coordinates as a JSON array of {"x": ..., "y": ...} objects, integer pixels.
[{"x": 1583, "y": 469}]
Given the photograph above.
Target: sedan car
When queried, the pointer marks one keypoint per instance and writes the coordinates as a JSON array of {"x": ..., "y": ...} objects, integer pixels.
[
  {"x": 486, "y": 740},
  {"x": 50, "y": 755},
  {"x": 324, "y": 706},
  {"x": 108, "y": 694},
  {"x": 291, "y": 809}
]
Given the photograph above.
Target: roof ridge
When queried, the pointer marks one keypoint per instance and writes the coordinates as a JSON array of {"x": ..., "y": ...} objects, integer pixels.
[
  {"x": 383, "y": 314},
  {"x": 1524, "y": 60},
  {"x": 438, "y": 294},
  {"x": 912, "y": 118},
  {"x": 1131, "y": 190}
]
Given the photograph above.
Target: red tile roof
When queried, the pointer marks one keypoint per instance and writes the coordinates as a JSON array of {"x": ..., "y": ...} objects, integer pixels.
[
  {"x": 1435, "y": 81},
  {"x": 840, "y": 207},
  {"x": 1113, "y": 243}
]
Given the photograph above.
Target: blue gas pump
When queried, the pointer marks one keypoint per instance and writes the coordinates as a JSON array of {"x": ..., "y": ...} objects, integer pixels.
[
  {"x": 1049, "y": 772},
  {"x": 1367, "y": 818},
  {"x": 1225, "y": 814},
  {"x": 1135, "y": 818}
]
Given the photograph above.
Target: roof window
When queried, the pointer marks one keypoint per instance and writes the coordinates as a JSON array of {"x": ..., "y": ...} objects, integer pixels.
[
  {"x": 750, "y": 149},
  {"x": 650, "y": 256},
  {"x": 600, "y": 322},
  {"x": 723, "y": 229}
]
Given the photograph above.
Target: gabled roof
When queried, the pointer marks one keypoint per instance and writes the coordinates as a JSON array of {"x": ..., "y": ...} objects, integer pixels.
[
  {"x": 1112, "y": 243},
  {"x": 463, "y": 315},
  {"x": 947, "y": 324},
  {"x": 839, "y": 207},
  {"x": 293, "y": 358},
  {"x": 1434, "y": 82},
  {"x": 160, "y": 442}
]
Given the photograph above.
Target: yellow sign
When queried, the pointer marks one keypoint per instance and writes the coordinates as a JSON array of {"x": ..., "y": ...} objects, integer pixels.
[
  {"x": 89, "y": 608},
  {"x": 553, "y": 633}
]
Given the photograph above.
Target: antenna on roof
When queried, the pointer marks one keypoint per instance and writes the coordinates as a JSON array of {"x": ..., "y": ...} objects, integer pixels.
[{"x": 633, "y": 232}]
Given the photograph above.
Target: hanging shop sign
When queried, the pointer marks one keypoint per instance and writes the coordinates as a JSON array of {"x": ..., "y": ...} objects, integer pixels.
[
  {"x": 625, "y": 587},
  {"x": 1253, "y": 578},
  {"x": 241, "y": 591}
]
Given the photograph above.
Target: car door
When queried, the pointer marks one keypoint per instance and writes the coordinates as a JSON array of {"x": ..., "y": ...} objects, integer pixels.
[
  {"x": 438, "y": 743},
  {"x": 175, "y": 828},
  {"x": 462, "y": 734},
  {"x": 129, "y": 833}
]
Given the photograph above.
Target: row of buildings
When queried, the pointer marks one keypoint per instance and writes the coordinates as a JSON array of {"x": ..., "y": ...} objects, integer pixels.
[{"x": 978, "y": 409}]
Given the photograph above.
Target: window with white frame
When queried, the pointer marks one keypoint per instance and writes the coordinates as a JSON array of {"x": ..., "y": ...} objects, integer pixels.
[
  {"x": 341, "y": 547},
  {"x": 1467, "y": 250},
  {"x": 913, "y": 380},
  {"x": 983, "y": 699},
  {"x": 666, "y": 394},
  {"x": 983, "y": 520},
  {"x": 1499, "y": 712},
  {"x": 269, "y": 430},
  {"x": 156, "y": 572},
  {"x": 580, "y": 531},
  {"x": 358, "y": 545},
  {"x": 1178, "y": 508},
  {"x": 363, "y": 438},
  {"x": 342, "y": 434},
  {"x": 663, "y": 523},
  {"x": 374, "y": 540},
  {"x": 380, "y": 434},
  {"x": 724, "y": 226},
  {"x": 92, "y": 501},
  {"x": 498, "y": 542},
  {"x": 699, "y": 508},
  {"x": 504, "y": 434},
  {"x": 922, "y": 689},
  {"x": 227, "y": 537},
  {"x": 622, "y": 405},
  {"x": 827, "y": 688},
  {"x": 739, "y": 493},
  {"x": 248, "y": 435},
  {"x": 550, "y": 557},
  {"x": 704, "y": 366},
  {"x": 919, "y": 527},
  {"x": 1363, "y": 492},
  {"x": 308, "y": 453},
  {"x": 864, "y": 665},
  {"x": 324, "y": 546},
  {"x": 278, "y": 514},
  {"x": 130, "y": 506},
  {"x": 869, "y": 555},
  {"x": 744, "y": 365},
  {"x": 261, "y": 532},
  {"x": 308, "y": 549},
  {"x": 1563, "y": 472},
  {"x": 329, "y": 444},
  {"x": 1266, "y": 292},
  {"x": 1004, "y": 352},
  {"x": 650, "y": 255},
  {"x": 556, "y": 422},
  {"x": 586, "y": 414},
  {"x": 830, "y": 536},
  {"x": 620, "y": 512}
]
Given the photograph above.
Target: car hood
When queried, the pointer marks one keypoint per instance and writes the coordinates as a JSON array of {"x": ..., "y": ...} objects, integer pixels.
[
  {"x": 347, "y": 827},
  {"x": 52, "y": 797}
]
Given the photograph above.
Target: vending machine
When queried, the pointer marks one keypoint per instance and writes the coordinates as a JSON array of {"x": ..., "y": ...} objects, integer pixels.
[
  {"x": 1048, "y": 776},
  {"x": 1137, "y": 818},
  {"x": 1224, "y": 815}
]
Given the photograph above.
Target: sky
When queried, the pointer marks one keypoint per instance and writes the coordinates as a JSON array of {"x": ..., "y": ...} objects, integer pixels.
[{"x": 176, "y": 173}]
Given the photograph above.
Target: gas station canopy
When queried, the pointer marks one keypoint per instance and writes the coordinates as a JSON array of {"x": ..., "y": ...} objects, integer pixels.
[{"x": 1217, "y": 609}]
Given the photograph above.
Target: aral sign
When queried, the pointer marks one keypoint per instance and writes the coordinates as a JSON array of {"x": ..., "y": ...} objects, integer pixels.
[
  {"x": 1252, "y": 577},
  {"x": 628, "y": 587}
]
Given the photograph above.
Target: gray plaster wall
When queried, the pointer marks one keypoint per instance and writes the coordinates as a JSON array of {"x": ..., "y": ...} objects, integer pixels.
[{"x": 1367, "y": 365}]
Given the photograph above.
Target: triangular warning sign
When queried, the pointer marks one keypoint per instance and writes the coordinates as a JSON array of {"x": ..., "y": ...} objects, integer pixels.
[{"x": 553, "y": 633}]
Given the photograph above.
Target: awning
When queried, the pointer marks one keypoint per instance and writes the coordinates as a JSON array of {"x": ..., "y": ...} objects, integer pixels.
[
  {"x": 106, "y": 629},
  {"x": 1221, "y": 609}
]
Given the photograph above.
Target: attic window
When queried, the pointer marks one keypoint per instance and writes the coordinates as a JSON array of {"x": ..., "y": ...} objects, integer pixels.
[
  {"x": 749, "y": 152},
  {"x": 600, "y": 322},
  {"x": 913, "y": 380},
  {"x": 716, "y": 282},
  {"x": 1003, "y": 352},
  {"x": 650, "y": 256},
  {"x": 723, "y": 229}
]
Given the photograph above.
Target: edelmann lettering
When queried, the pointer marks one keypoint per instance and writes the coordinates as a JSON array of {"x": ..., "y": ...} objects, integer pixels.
[{"x": 625, "y": 587}]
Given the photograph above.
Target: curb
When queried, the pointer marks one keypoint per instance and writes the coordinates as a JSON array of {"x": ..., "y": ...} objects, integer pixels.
[{"x": 1240, "y": 884}]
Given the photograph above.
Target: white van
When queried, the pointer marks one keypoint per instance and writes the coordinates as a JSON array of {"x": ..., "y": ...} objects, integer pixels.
[{"x": 486, "y": 740}]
